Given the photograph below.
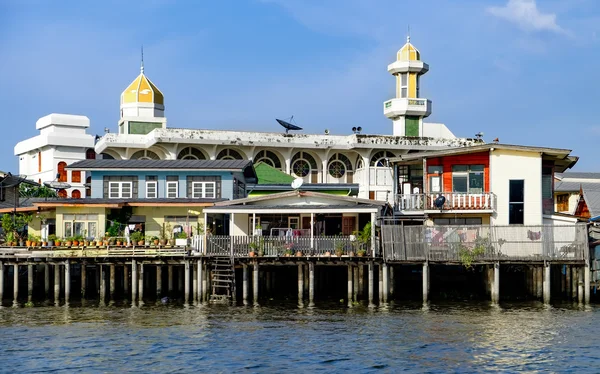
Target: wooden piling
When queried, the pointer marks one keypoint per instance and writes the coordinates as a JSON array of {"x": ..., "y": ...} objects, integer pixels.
[
  {"x": 300, "y": 283},
  {"x": 187, "y": 282},
  {"x": 391, "y": 282},
  {"x": 539, "y": 282},
  {"x": 141, "y": 282},
  {"x": 205, "y": 276},
  {"x": 568, "y": 283},
  {"x": 170, "y": 279},
  {"x": 67, "y": 281},
  {"x": 29, "y": 283},
  {"x": 125, "y": 281},
  {"x": 16, "y": 284},
  {"x": 311, "y": 284},
  {"x": 361, "y": 281},
  {"x": 134, "y": 281},
  {"x": 350, "y": 286},
  {"x": 102, "y": 270},
  {"x": 574, "y": 281},
  {"x": 245, "y": 283},
  {"x": 355, "y": 281},
  {"x": 193, "y": 274},
  {"x": 255, "y": 283},
  {"x": 1, "y": 282},
  {"x": 83, "y": 279},
  {"x": 158, "y": 281},
  {"x": 46, "y": 281},
  {"x": 496, "y": 284},
  {"x": 112, "y": 281},
  {"x": 56, "y": 283},
  {"x": 199, "y": 274},
  {"x": 371, "y": 279},
  {"x": 587, "y": 282}
]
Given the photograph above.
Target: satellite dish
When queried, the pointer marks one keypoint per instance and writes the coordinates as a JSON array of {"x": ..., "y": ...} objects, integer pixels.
[
  {"x": 439, "y": 202},
  {"x": 57, "y": 185},
  {"x": 287, "y": 125},
  {"x": 297, "y": 183}
]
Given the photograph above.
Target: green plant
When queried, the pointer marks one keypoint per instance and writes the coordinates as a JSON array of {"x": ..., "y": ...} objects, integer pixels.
[
  {"x": 52, "y": 237},
  {"x": 154, "y": 238},
  {"x": 181, "y": 235},
  {"x": 468, "y": 255},
  {"x": 136, "y": 236},
  {"x": 10, "y": 237},
  {"x": 113, "y": 230}
]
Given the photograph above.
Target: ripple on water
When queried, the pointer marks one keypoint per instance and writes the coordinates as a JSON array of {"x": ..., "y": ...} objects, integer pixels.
[{"x": 440, "y": 337}]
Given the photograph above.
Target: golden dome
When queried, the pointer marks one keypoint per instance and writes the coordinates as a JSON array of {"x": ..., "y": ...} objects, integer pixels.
[
  {"x": 142, "y": 90},
  {"x": 409, "y": 52}
]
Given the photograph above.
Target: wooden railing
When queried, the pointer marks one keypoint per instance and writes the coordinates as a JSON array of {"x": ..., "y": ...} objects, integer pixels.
[
  {"x": 453, "y": 201},
  {"x": 92, "y": 252},
  {"x": 484, "y": 243}
]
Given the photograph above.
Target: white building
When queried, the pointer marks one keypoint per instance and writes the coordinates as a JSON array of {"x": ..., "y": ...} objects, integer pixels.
[
  {"x": 317, "y": 158},
  {"x": 62, "y": 141}
]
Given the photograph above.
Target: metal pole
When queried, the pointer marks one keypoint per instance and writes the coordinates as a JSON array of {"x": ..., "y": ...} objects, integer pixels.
[
  {"x": 380, "y": 287},
  {"x": 496, "y": 284}
]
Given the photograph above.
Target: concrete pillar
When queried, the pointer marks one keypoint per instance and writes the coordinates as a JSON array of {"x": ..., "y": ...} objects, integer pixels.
[
  {"x": 194, "y": 275},
  {"x": 187, "y": 282},
  {"x": 355, "y": 281},
  {"x": 29, "y": 283},
  {"x": 306, "y": 271},
  {"x": 563, "y": 288},
  {"x": 102, "y": 270},
  {"x": 580, "y": 290},
  {"x": 311, "y": 283},
  {"x": 134, "y": 281},
  {"x": 2, "y": 282},
  {"x": 380, "y": 287},
  {"x": 56, "y": 283},
  {"x": 83, "y": 279},
  {"x": 361, "y": 281},
  {"x": 15, "y": 284},
  {"x": 391, "y": 281},
  {"x": 568, "y": 281},
  {"x": 547, "y": 288},
  {"x": 112, "y": 281},
  {"x": 300, "y": 282},
  {"x": 245, "y": 283},
  {"x": 425, "y": 282},
  {"x": 67, "y": 281},
  {"x": 495, "y": 283},
  {"x": 350, "y": 285},
  {"x": 255, "y": 283},
  {"x": 539, "y": 282},
  {"x": 205, "y": 282},
  {"x": 371, "y": 278},
  {"x": 141, "y": 282},
  {"x": 199, "y": 274},
  {"x": 385, "y": 283},
  {"x": 586, "y": 282},
  {"x": 126, "y": 281},
  {"x": 158, "y": 281},
  {"x": 170, "y": 280},
  {"x": 574, "y": 281},
  {"x": 46, "y": 281}
]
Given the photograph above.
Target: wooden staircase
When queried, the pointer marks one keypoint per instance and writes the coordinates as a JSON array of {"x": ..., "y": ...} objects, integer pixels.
[{"x": 222, "y": 279}]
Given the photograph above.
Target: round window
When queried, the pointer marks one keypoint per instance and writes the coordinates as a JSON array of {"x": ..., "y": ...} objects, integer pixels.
[
  {"x": 301, "y": 168},
  {"x": 337, "y": 169}
]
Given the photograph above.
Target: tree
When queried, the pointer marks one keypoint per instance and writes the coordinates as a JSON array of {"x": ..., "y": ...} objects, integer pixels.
[{"x": 28, "y": 190}]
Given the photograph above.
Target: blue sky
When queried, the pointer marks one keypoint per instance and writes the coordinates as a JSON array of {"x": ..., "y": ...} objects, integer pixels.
[{"x": 520, "y": 70}]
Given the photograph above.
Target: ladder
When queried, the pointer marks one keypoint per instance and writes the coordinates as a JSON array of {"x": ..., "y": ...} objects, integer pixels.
[{"x": 222, "y": 279}]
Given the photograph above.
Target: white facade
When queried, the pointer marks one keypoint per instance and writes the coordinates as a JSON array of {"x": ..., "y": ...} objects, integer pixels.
[
  {"x": 62, "y": 141},
  {"x": 507, "y": 165}
]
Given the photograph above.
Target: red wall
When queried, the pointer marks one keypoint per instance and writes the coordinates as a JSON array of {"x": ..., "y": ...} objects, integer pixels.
[{"x": 481, "y": 158}]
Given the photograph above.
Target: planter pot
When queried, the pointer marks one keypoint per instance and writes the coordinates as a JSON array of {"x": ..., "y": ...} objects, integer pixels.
[
  {"x": 57, "y": 243},
  {"x": 141, "y": 242},
  {"x": 28, "y": 243},
  {"x": 156, "y": 242},
  {"x": 299, "y": 254},
  {"x": 105, "y": 242},
  {"x": 163, "y": 241},
  {"x": 171, "y": 242},
  {"x": 68, "y": 243},
  {"x": 14, "y": 244},
  {"x": 118, "y": 242},
  {"x": 75, "y": 243},
  {"x": 181, "y": 242},
  {"x": 92, "y": 244},
  {"x": 327, "y": 254},
  {"x": 339, "y": 253},
  {"x": 360, "y": 254},
  {"x": 252, "y": 254}
]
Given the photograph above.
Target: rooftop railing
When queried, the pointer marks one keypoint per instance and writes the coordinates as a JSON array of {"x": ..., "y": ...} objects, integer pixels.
[{"x": 453, "y": 201}]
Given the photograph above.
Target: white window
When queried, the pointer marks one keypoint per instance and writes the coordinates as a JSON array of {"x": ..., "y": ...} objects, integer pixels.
[
  {"x": 118, "y": 190},
  {"x": 151, "y": 188},
  {"x": 206, "y": 190},
  {"x": 404, "y": 85},
  {"x": 172, "y": 189}
]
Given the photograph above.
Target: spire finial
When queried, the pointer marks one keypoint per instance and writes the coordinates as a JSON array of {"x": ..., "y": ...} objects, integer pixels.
[
  {"x": 142, "y": 65},
  {"x": 408, "y": 35}
]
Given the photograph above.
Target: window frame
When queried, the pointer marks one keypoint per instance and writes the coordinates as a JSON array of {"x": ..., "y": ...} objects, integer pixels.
[
  {"x": 468, "y": 173},
  {"x": 120, "y": 193},
  {"x": 168, "y": 184},
  {"x": 203, "y": 194},
  {"x": 404, "y": 85},
  {"x": 152, "y": 183}
]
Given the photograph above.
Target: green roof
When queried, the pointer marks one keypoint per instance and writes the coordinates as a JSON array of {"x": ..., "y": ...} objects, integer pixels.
[{"x": 266, "y": 174}]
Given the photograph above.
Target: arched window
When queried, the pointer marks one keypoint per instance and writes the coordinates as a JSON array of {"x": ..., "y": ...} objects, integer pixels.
[
  {"x": 269, "y": 158},
  {"x": 62, "y": 172},
  {"x": 191, "y": 153},
  {"x": 76, "y": 176},
  {"x": 379, "y": 158},
  {"x": 76, "y": 194},
  {"x": 338, "y": 165},
  {"x": 106, "y": 156},
  {"x": 303, "y": 163},
  {"x": 61, "y": 193},
  {"x": 229, "y": 154},
  {"x": 360, "y": 163},
  {"x": 145, "y": 155},
  {"x": 90, "y": 154}
]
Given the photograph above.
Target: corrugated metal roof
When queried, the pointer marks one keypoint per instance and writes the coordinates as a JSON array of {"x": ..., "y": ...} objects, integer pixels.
[
  {"x": 579, "y": 175},
  {"x": 592, "y": 199},
  {"x": 161, "y": 164},
  {"x": 294, "y": 207}
]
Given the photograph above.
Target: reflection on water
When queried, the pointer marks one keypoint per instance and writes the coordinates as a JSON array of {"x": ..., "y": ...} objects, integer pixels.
[{"x": 437, "y": 337}]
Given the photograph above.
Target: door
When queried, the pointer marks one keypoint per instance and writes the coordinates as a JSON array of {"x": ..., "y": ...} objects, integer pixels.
[
  {"x": 348, "y": 225},
  {"x": 306, "y": 223}
]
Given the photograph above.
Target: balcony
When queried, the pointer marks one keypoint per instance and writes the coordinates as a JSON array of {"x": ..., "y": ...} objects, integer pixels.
[
  {"x": 455, "y": 202},
  {"x": 407, "y": 107}
]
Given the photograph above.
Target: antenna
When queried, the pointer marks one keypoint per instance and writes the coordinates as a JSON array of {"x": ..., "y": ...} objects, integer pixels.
[
  {"x": 297, "y": 183},
  {"x": 408, "y": 34},
  {"x": 142, "y": 66}
]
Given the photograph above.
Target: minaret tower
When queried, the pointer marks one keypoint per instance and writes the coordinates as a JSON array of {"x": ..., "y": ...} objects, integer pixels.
[
  {"x": 407, "y": 109},
  {"x": 142, "y": 106}
]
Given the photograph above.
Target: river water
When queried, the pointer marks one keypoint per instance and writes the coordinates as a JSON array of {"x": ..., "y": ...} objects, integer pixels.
[{"x": 456, "y": 337}]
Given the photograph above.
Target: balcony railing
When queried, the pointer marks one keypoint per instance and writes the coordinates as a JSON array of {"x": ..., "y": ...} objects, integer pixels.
[
  {"x": 276, "y": 246},
  {"x": 453, "y": 201},
  {"x": 484, "y": 243}
]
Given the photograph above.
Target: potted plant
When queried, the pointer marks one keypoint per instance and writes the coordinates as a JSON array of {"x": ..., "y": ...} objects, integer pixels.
[
  {"x": 9, "y": 239},
  {"x": 163, "y": 234},
  {"x": 361, "y": 252},
  {"x": 29, "y": 240},
  {"x": 253, "y": 247},
  {"x": 155, "y": 240},
  {"x": 288, "y": 252},
  {"x": 147, "y": 240},
  {"x": 57, "y": 241},
  {"x": 136, "y": 237},
  {"x": 69, "y": 241},
  {"x": 181, "y": 238},
  {"x": 363, "y": 239},
  {"x": 339, "y": 249}
]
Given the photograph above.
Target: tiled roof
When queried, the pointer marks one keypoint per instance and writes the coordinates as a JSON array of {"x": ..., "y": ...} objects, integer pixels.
[{"x": 161, "y": 164}]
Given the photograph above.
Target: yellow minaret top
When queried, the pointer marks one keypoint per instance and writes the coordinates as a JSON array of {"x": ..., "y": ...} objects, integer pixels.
[
  {"x": 142, "y": 90},
  {"x": 407, "y": 109},
  {"x": 408, "y": 52}
]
